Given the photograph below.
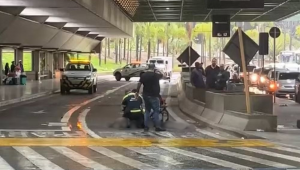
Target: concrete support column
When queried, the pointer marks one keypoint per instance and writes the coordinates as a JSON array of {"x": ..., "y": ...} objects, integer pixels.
[
  {"x": 1, "y": 67},
  {"x": 36, "y": 64},
  {"x": 50, "y": 64},
  {"x": 18, "y": 55},
  {"x": 61, "y": 60}
]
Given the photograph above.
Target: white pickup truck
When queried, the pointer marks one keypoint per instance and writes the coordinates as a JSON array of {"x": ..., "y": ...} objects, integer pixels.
[
  {"x": 164, "y": 64},
  {"x": 78, "y": 74}
]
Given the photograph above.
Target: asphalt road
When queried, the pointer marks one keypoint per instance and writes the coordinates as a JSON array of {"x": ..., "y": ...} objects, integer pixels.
[{"x": 73, "y": 132}]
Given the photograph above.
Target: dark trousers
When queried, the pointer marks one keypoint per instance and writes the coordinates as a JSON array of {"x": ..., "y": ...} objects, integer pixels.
[{"x": 138, "y": 117}]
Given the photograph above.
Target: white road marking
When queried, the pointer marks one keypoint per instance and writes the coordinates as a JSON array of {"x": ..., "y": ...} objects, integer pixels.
[
  {"x": 249, "y": 158},
  {"x": 205, "y": 158},
  {"x": 107, "y": 152},
  {"x": 4, "y": 165},
  {"x": 39, "y": 112},
  {"x": 80, "y": 158},
  {"x": 157, "y": 156},
  {"x": 118, "y": 157},
  {"x": 68, "y": 115},
  {"x": 287, "y": 149},
  {"x": 273, "y": 154},
  {"x": 37, "y": 159},
  {"x": 32, "y": 130},
  {"x": 24, "y": 134},
  {"x": 205, "y": 132}
]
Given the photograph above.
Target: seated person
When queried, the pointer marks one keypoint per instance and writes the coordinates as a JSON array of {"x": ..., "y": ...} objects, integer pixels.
[{"x": 133, "y": 108}]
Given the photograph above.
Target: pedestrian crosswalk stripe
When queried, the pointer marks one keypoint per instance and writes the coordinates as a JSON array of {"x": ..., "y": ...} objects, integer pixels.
[
  {"x": 292, "y": 158},
  {"x": 37, "y": 159},
  {"x": 249, "y": 158},
  {"x": 118, "y": 157},
  {"x": 205, "y": 158},
  {"x": 154, "y": 155},
  {"x": 287, "y": 149},
  {"x": 149, "y": 158},
  {"x": 5, "y": 165},
  {"x": 80, "y": 158}
]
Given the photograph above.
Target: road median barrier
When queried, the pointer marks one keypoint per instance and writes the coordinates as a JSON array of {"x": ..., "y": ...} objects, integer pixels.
[{"x": 225, "y": 110}]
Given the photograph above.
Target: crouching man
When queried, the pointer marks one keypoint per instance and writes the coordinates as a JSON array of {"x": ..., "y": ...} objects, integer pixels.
[{"x": 133, "y": 109}]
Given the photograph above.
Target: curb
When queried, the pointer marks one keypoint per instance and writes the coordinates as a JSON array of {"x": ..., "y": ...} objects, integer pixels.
[
  {"x": 27, "y": 97},
  {"x": 228, "y": 130}
]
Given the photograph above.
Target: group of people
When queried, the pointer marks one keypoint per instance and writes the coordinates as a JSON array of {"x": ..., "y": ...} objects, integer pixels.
[
  {"x": 14, "y": 67},
  {"x": 150, "y": 98},
  {"x": 212, "y": 77},
  {"x": 13, "y": 71}
]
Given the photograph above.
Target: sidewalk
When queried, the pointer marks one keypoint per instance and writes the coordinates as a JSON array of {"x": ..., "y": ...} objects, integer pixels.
[{"x": 10, "y": 94}]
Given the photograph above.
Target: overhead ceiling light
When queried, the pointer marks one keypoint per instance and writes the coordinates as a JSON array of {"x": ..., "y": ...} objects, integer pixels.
[{"x": 167, "y": 8}]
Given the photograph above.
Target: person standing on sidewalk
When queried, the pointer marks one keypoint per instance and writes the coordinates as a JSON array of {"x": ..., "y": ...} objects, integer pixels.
[
  {"x": 151, "y": 93},
  {"x": 197, "y": 76},
  {"x": 211, "y": 73}
]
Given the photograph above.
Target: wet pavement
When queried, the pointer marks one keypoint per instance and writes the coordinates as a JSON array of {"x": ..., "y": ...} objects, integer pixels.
[{"x": 73, "y": 132}]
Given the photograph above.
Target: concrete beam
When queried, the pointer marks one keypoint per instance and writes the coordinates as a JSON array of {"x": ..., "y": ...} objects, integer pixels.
[
  {"x": 18, "y": 54},
  {"x": 93, "y": 36},
  {"x": 13, "y": 45},
  {"x": 99, "y": 38},
  {"x": 50, "y": 49},
  {"x": 13, "y": 10},
  {"x": 39, "y": 19},
  {"x": 32, "y": 47},
  {"x": 58, "y": 25},
  {"x": 71, "y": 29},
  {"x": 83, "y": 33}
]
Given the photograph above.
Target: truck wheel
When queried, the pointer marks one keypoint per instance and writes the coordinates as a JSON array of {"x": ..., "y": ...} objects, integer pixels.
[
  {"x": 91, "y": 90},
  {"x": 127, "y": 78},
  {"x": 62, "y": 90},
  {"x": 118, "y": 76},
  {"x": 95, "y": 88},
  {"x": 68, "y": 91}
]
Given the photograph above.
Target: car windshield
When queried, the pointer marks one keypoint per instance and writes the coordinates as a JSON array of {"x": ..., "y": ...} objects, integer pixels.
[
  {"x": 256, "y": 70},
  {"x": 265, "y": 71},
  {"x": 78, "y": 67},
  {"x": 152, "y": 61},
  {"x": 272, "y": 74},
  {"x": 160, "y": 61},
  {"x": 288, "y": 76}
]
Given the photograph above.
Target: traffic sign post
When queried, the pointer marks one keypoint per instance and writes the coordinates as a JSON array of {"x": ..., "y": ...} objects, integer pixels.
[{"x": 274, "y": 33}]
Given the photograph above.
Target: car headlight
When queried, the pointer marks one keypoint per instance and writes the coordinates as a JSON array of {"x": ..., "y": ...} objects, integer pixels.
[
  {"x": 88, "y": 78},
  {"x": 254, "y": 77},
  {"x": 262, "y": 79}
]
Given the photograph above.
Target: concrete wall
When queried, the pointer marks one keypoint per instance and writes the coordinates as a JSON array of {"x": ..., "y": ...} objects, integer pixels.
[{"x": 227, "y": 109}]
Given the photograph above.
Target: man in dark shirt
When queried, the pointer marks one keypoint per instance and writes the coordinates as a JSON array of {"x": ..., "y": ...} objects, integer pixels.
[
  {"x": 201, "y": 68},
  {"x": 151, "y": 93},
  {"x": 197, "y": 76},
  {"x": 211, "y": 73}
]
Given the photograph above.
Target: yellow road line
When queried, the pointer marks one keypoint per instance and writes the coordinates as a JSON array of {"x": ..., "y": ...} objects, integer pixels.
[{"x": 131, "y": 142}]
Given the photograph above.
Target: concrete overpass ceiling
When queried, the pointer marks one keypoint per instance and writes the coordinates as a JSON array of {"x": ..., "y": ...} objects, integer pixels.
[
  {"x": 197, "y": 11},
  {"x": 59, "y": 24}
]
